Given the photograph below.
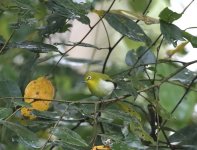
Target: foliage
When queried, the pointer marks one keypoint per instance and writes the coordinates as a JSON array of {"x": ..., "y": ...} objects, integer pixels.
[
  {"x": 37, "y": 90},
  {"x": 151, "y": 108}
]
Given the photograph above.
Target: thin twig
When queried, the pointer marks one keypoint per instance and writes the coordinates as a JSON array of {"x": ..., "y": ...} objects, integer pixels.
[
  {"x": 56, "y": 124},
  {"x": 187, "y": 7},
  {"x": 167, "y": 140},
  {"x": 156, "y": 63},
  {"x": 145, "y": 52},
  {"x": 182, "y": 85},
  {"x": 107, "y": 34},
  {"x": 83, "y": 37},
  {"x": 79, "y": 123},
  {"x": 4, "y": 46},
  {"x": 182, "y": 98},
  {"x": 149, "y": 3},
  {"x": 95, "y": 39},
  {"x": 95, "y": 125},
  {"x": 112, "y": 48},
  {"x": 156, "y": 95},
  {"x": 168, "y": 77},
  {"x": 109, "y": 53},
  {"x": 179, "y": 102},
  {"x": 190, "y": 28}
]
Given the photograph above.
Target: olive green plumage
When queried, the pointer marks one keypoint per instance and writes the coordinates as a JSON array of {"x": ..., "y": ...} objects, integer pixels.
[{"x": 99, "y": 84}]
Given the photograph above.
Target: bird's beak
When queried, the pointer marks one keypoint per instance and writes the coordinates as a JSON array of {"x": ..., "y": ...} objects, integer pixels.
[{"x": 83, "y": 81}]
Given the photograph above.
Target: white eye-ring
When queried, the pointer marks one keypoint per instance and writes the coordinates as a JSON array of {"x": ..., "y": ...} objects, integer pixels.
[{"x": 89, "y": 78}]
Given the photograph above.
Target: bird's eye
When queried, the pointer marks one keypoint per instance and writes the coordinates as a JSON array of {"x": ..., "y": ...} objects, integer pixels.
[{"x": 89, "y": 78}]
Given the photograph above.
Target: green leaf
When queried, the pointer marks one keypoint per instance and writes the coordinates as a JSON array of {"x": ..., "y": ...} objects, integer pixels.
[
  {"x": 2, "y": 41},
  {"x": 146, "y": 55},
  {"x": 163, "y": 112},
  {"x": 36, "y": 47},
  {"x": 68, "y": 136},
  {"x": 18, "y": 102},
  {"x": 185, "y": 76},
  {"x": 26, "y": 136},
  {"x": 24, "y": 4},
  {"x": 129, "y": 109},
  {"x": 138, "y": 5},
  {"x": 142, "y": 56},
  {"x": 69, "y": 9},
  {"x": 131, "y": 58},
  {"x": 87, "y": 45},
  {"x": 171, "y": 32},
  {"x": 128, "y": 87},
  {"x": 66, "y": 146},
  {"x": 27, "y": 67},
  {"x": 38, "y": 125},
  {"x": 78, "y": 44},
  {"x": 191, "y": 38},
  {"x": 9, "y": 89},
  {"x": 114, "y": 114},
  {"x": 55, "y": 23},
  {"x": 127, "y": 27},
  {"x": 113, "y": 137},
  {"x": 1, "y": 12},
  {"x": 5, "y": 112},
  {"x": 168, "y": 15},
  {"x": 85, "y": 109},
  {"x": 78, "y": 60},
  {"x": 185, "y": 136},
  {"x": 45, "y": 114},
  {"x": 121, "y": 146}
]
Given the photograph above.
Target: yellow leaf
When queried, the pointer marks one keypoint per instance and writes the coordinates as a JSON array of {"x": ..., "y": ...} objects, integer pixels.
[
  {"x": 137, "y": 129},
  {"x": 101, "y": 147},
  {"x": 178, "y": 49},
  {"x": 128, "y": 109},
  {"x": 137, "y": 16},
  {"x": 39, "y": 94},
  {"x": 99, "y": 12}
]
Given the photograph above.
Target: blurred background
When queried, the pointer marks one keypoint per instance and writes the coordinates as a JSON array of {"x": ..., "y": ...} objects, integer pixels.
[{"x": 21, "y": 66}]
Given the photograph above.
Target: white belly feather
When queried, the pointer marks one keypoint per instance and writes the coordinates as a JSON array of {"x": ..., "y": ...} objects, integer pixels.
[{"x": 106, "y": 87}]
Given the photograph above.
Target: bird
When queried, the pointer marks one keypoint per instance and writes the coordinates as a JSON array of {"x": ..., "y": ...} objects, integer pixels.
[{"x": 99, "y": 84}]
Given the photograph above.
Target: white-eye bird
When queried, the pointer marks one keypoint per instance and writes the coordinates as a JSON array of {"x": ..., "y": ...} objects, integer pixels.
[{"x": 99, "y": 84}]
